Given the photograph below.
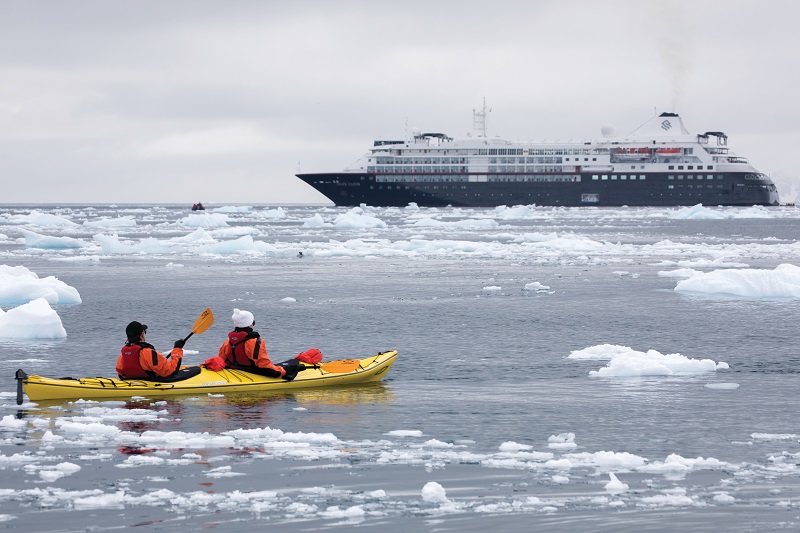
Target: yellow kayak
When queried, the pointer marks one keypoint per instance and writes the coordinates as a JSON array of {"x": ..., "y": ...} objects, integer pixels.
[{"x": 325, "y": 374}]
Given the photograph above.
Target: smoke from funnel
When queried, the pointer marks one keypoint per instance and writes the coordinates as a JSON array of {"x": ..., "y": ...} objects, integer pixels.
[{"x": 675, "y": 46}]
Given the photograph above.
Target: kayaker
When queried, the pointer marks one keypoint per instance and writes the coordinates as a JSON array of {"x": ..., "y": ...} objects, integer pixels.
[
  {"x": 246, "y": 350},
  {"x": 140, "y": 360}
]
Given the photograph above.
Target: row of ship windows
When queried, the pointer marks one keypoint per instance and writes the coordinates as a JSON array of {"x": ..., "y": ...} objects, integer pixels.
[
  {"x": 464, "y": 160},
  {"x": 484, "y": 178},
  {"x": 444, "y": 187},
  {"x": 406, "y": 165},
  {"x": 691, "y": 167},
  {"x": 532, "y": 177},
  {"x": 642, "y": 176}
]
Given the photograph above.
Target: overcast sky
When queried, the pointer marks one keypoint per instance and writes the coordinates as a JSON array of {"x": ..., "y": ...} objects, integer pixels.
[{"x": 223, "y": 102}]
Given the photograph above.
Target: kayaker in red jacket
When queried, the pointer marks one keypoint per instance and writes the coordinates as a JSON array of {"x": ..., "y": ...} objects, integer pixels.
[
  {"x": 140, "y": 360},
  {"x": 246, "y": 350}
]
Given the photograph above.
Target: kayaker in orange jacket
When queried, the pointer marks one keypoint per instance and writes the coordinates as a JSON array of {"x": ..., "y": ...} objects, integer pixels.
[
  {"x": 140, "y": 360},
  {"x": 246, "y": 350}
]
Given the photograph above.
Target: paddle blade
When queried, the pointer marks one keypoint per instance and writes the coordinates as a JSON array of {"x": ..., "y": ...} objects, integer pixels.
[
  {"x": 340, "y": 367},
  {"x": 204, "y": 321}
]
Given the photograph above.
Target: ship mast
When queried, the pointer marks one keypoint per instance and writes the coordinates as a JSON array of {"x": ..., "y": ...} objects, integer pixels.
[{"x": 479, "y": 119}]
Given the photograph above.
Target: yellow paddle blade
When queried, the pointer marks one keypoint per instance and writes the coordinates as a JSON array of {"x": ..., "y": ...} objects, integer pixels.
[
  {"x": 338, "y": 367},
  {"x": 204, "y": 321}
]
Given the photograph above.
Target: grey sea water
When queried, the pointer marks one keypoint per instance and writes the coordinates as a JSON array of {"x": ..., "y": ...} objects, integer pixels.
[{"x": 484, "y": 422}]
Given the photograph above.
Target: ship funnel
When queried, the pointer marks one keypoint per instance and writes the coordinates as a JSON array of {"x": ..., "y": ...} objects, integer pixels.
[{"x": 665, "y": 125}]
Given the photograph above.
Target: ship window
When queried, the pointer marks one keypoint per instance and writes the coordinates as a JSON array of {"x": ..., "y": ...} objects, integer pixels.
[
  {"x": 680, "y": 167},
  {"x": 633, "y": 167},
  {"x": 670, "y": 186},
  {"x": 595, "y": 176},
  {"x": 719, "y": 176},
  {"x": 710, "y": 177},
  {"x": 623, "y": 177},
  {"x": 671, "y": 177},
  {"x": 699, "y": 167},
  {"x": 689, "y": 177},
  {"x": 671, "y": 167},
  {"x": 641, "y": 176},
  {"x": 605, "y": 177},
  {"x": 585, "y": 158},
  {"x": 710, "y": 167},
  {"x": 594, "y": 159},
  {"x": 613, "y": 176},
  {"x": 680, "y": 176},
  {"x": 690, "y": 167},
  {"x": 710, "y": 186}
]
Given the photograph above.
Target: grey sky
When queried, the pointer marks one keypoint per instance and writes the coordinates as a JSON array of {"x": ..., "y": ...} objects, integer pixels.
[{"x": 220, "y": 102}]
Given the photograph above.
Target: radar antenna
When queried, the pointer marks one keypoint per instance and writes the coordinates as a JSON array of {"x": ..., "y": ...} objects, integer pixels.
[{"x": 479, "y": 119}]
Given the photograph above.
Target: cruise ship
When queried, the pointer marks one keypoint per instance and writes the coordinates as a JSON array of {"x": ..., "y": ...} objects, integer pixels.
[{"x": 658, "y": 164}]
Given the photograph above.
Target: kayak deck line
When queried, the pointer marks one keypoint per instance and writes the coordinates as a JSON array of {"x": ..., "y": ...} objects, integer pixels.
[{"x": 38, "y": 388}]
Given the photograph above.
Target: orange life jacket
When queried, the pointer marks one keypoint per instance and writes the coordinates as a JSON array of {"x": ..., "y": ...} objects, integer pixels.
[
  {"x": 131, "y": 367},
  {"x": 237, "y": 338}
]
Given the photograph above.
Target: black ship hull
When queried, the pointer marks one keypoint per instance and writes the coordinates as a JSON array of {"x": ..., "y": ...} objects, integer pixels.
[{"x": 650, "y": 189}]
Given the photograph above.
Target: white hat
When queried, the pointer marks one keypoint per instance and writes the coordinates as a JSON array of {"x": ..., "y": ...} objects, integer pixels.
[{"x": 242, "y": 319}]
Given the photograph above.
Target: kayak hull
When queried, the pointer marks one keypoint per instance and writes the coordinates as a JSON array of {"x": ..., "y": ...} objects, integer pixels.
[{"x": 40, "y": 388}]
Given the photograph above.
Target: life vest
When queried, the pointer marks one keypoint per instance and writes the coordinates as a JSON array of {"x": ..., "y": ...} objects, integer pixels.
[
  {"x": 131, "y": 367},
  {"x": 236, "y": 339}
]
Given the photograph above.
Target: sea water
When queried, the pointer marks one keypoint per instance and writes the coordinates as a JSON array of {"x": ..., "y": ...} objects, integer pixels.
[{"x": 503, "y": 410}]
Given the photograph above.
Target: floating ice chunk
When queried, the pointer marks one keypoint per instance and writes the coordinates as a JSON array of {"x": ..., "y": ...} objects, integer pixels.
[
  {"x": 233, "y": 209},
  {"x": 20, "y": 285},
  {"x": 288, "y": 300},
  {"x": 722, "y": 386},
  {"x": 351, "y": 513},
  {"x": 241, "y": 245},
  {"x": 697, "y": 212},
  {"x": 782, "y": 282},
  {"x": 316, "y": 222},
  {"x": 356, "y": 219},
  {"x": 405, "y": 433},
  {"x": 670, "y": 498},
  {"x": 10, "y": 423},
  {"x": 53, "y": 473},
  {"x": 45, "y": 242},
  {"x": 615, "y": 486},
  {"x": 562, "y": 441},
  {"x": 434, "y": 493},
  {"x": 678, "y": 273},
  {"x": 536, "y": 286},
  {"x": 34, "y": 320},
  {"x": 724, "y": 497},
  {"x": 37, "y": 218},
  {"x": 272, "y": 214},
  {"x": 111, "y": 244},
  {"x": 121, "y": 222},
  {"x": 517, "y": 212},
  {"x": 491, "y": 288},
  {"x": 115, "y": 500},
  {"x": 626, "y": 362},
  {"x": 511, "y": 446},
  {"x": 560, "y": 479},
  {"x": 204, "y": 220}
]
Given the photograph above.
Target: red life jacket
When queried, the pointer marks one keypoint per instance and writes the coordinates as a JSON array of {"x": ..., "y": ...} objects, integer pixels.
[
  {"x": 236, "y": 339},
  {"x": 131, "y": 367}
]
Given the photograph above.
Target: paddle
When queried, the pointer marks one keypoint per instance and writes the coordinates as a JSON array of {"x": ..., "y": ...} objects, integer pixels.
[{"x": 203, "y": 322}]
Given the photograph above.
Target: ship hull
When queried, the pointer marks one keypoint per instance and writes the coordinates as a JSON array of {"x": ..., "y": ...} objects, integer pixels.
[{"x": 654, "y": 189}]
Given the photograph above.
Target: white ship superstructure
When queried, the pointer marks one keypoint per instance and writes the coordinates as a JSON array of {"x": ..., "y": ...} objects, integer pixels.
[{"x": 660, "y": 163}]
